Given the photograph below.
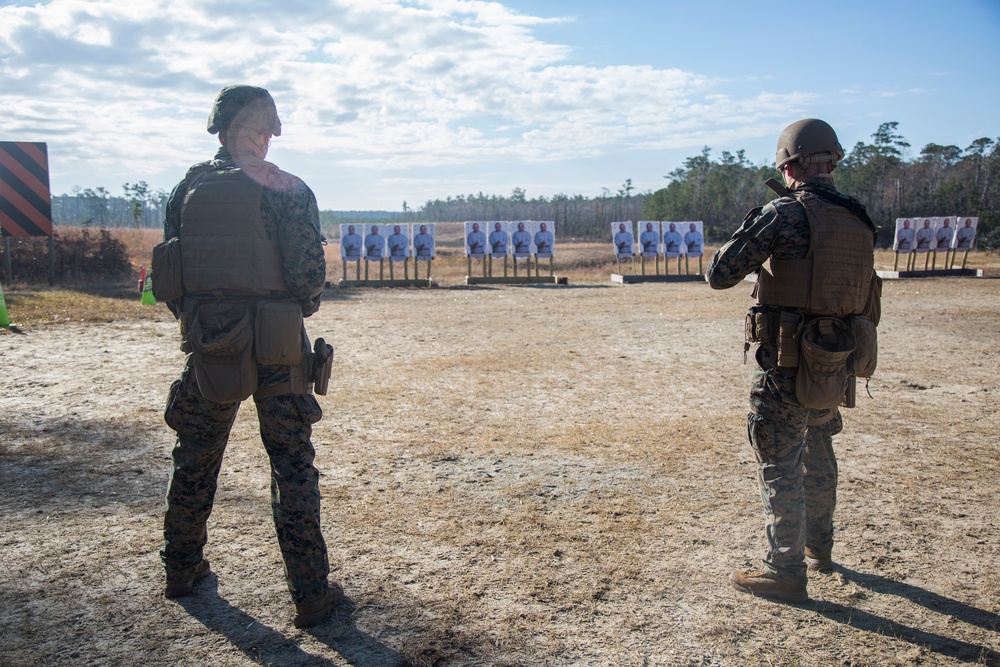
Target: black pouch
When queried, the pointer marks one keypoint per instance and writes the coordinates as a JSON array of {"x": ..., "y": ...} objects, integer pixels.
[
  {"x": 824, "y": 346},
  {"x": 168, "y": 281},
  {"x": 221, "y": 339}
]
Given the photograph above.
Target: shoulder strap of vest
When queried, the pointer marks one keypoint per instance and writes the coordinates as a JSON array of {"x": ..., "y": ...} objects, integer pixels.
[
  {"x": 856, "y": 208},
  {"x": 195, "y": 175}
]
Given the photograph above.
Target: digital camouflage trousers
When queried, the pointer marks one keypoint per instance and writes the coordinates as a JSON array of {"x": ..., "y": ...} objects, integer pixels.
[
  {"x": 796, "y": 469},
  {"x": 202, "y": 428}
]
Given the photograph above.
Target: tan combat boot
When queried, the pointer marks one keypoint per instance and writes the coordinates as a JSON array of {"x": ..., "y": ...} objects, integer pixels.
[
  {"x": 820, "y": 560},
  {"x": 309, "y": 614},
  {"x": 769, "y": 585},
  {"x": 178, "y": 587}
]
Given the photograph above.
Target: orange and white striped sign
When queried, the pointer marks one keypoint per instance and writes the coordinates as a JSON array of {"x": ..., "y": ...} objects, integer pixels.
[{"x": 25, "y": 200}]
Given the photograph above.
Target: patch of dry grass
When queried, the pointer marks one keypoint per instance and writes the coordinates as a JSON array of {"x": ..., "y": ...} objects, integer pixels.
[
  {"x": 30, "y": 308},
  {"x": 139, "y": 244}
]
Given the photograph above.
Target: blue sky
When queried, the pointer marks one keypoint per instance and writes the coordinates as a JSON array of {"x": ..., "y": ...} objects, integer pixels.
[{"x": 385, "y": 101}]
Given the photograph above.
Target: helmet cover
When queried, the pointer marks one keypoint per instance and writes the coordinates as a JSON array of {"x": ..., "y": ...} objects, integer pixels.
[{"x": 244, "y": 106}]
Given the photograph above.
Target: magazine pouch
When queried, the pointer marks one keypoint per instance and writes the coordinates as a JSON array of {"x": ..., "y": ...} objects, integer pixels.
[
  {"x": 221, "y": 338},
  {"x": 168, "y": 283},
  {"x": 789, "y": 328},
  {"x": 824, "y": 347}
]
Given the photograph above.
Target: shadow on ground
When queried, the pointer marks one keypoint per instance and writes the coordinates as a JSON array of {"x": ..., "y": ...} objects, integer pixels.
[
  {"x": 267, "y": 646},
  {"x": 941, "y": 645}
]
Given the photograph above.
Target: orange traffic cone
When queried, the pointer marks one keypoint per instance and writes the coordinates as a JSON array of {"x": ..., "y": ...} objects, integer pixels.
[
  {"x": 4, "y": 320},
  {"x": 147, "y": 288}
]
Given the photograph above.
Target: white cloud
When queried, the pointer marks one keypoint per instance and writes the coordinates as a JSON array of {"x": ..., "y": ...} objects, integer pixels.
[{"x": 383, "y": 85}]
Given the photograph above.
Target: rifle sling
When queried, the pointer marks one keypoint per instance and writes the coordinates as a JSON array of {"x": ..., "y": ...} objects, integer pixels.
[{"x": 856, "y": 208}]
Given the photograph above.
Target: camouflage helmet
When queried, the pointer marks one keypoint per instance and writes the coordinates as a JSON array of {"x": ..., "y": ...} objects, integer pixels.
[
  {"x": 808, "y": 141},
  {"x": 244, "y": 106}
]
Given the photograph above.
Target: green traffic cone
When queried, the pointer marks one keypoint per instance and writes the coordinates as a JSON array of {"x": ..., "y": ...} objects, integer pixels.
[
  {"x": 147, "y": 291},
  {"x": 4, "y": 320}
]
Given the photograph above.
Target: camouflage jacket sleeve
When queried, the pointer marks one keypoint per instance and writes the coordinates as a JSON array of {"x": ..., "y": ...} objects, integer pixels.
[
  {"x": 290, "y": 206},
  {"x": 747, "y": 250}
]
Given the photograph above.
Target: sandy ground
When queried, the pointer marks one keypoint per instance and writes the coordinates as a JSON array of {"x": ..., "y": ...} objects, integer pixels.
[{"x": 520, "y": 475}]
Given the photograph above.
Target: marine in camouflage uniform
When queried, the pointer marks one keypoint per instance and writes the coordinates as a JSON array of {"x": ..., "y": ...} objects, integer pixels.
[
  {"x": 793, "y": 445},
  {"x": 290, "y": 216}
]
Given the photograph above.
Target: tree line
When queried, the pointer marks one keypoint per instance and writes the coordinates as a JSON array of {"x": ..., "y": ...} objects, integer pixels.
[
  {"x": 139, "y": 206},
  {"x": 575, "y": 216},
  {"x": 939, "y": 181}
]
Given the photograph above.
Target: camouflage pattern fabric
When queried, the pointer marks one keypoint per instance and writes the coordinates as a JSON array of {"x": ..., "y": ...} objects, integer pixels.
[
  {"x": 797, "y": 476},
  {"x": 202, "y": 433},
  {"x": 797, "y": 467},
  {"x": 290, "y": 214},
  {"x": 820, "y": 463}
]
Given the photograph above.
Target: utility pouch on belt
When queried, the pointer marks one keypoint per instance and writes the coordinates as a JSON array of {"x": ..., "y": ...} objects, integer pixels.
[
  {"x": 789, "y": 327},
  {"x": 322, "y": 366},
  {"x": 864, "y": 359},
  {"x": 221, "y": 340},
  {"x": 278, "y": 328},
  {"x": 168, "y": 283},
  {"x": 759, "y": 324},
  {"x": 824, "y": 346}
]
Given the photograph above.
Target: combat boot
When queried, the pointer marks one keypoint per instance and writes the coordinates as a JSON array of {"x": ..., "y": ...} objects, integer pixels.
[
  {"x": 820, "y": 560},
  {"x": 769, "y": 585},
  {"x": 308, "y": 614},
  {"x": 178, "y": 587}
]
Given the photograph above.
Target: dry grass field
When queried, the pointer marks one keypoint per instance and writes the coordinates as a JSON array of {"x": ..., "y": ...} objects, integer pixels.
[{"x": 512, "y": 475}]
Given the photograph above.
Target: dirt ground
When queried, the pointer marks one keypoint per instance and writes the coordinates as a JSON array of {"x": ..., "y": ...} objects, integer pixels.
[{"x": 518, "y": 475}]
